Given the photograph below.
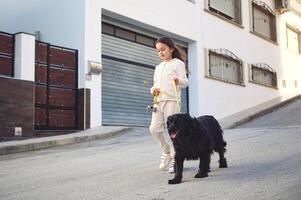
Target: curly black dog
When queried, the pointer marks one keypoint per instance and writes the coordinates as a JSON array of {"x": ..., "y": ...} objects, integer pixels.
[{"x": 195, "y": 138}]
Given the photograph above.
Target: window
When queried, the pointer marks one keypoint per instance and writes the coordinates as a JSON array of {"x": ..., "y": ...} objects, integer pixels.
[
  {"x": 125, "y": 34},
  {"x": 225, "y": 66},
  {"x": 263, "y": 20},
  {"x": 293, "y": 39},
  {"x": 122, "y": 33},
  {"x": 229, "y": 9},
  {"x": 145, "y": 40},
  {"x": 107, "y": 29},
  {"x": 263, "y": 74}
]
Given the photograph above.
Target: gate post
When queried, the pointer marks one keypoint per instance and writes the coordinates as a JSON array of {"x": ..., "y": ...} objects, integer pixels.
[{"x": 25, "y": 56}]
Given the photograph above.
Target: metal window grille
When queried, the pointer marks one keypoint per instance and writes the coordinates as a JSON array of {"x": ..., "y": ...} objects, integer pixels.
[
  {"x": 224, "y": 65},
  {"x": 264, "y": 20},
  {"x": 230, "y": 9},
  {"x": 263, "y": 74}
]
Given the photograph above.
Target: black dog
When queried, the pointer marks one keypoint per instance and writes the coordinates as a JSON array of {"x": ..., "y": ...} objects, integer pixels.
[{"x": 195, "y": 138}]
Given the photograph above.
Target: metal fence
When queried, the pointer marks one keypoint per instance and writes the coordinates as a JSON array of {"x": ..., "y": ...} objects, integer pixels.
[
  {"x": 56, "y": 75},
  {"x": 7, "y": 54}
]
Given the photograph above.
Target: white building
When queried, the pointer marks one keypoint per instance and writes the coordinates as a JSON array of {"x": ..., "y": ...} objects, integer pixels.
[{"x": 241, "y": 53}]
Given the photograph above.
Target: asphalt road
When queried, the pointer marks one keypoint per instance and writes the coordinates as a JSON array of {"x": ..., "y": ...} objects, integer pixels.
[{"x": 264, "y": 163}]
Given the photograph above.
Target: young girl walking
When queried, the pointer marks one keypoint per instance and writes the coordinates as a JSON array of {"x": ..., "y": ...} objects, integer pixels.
[{"x": 169, "y": 76}]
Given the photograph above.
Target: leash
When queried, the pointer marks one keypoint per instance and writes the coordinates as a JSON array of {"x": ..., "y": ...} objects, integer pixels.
[{"x": 176, "y": 93}]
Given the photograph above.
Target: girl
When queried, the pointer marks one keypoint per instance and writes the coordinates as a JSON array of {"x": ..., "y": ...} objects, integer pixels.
[{"x": 168, "y": 76}]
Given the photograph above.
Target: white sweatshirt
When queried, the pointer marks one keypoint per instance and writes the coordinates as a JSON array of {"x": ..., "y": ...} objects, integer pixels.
[{"x": 163, "y": 79}]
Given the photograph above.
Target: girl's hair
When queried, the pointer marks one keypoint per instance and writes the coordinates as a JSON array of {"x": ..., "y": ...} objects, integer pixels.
[{"x": 177, "y": 53}]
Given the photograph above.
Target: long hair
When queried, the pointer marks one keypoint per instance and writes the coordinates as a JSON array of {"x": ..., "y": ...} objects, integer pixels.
[{"x": 177, "y": 53}]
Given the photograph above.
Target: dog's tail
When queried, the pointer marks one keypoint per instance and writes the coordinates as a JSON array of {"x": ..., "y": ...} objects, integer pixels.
[
  {"x": 224, "y": 143},
  {"x": 219, "y": 133}
]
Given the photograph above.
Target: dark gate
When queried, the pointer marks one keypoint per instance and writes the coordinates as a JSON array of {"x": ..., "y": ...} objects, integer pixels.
[
  {"x": 56, "y": 75},
  {"x": 6, "y": 54}
]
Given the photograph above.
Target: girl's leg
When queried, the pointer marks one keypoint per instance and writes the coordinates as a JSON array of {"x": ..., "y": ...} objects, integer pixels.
[
  {"x": 156, "y": 128},
  {"x": 170, "y": 108}
]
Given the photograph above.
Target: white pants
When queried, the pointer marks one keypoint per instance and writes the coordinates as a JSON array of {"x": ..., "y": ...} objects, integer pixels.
[{"x": 159, "y": 118}]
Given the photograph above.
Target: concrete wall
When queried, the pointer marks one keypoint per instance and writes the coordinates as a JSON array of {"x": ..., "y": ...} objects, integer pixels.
[
  {"x": 290, "y": 61},
  {"x": 222, "y": 99}
]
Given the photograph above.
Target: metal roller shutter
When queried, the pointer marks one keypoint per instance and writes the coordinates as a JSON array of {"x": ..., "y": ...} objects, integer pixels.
[{"x": 128, "y": 70}]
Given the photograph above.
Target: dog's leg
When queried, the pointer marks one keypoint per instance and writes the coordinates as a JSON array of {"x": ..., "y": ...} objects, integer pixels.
[
  {"x": 178, "y": 170},
  {"x": 222, "y": 160},
  {"x": 204, "y": 166}
]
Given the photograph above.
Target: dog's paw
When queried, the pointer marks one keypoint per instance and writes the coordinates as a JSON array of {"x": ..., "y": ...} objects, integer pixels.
[
  {"x": 201, "y": 175},
  {"x": 174, "y": 181},
  {"x": 223, "y": 165}
]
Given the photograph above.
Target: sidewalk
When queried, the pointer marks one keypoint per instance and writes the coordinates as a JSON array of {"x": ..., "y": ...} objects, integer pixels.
[
  {"x": 104, "y": 132},
  {"x": 247, "y": 115},
  {"x": 98, "y": 133}
]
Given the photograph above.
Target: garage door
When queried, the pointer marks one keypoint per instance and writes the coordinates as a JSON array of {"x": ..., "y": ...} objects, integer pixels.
[{"x": 129, "y": 60}]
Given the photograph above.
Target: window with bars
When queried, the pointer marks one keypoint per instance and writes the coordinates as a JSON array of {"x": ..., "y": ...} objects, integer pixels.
[
  {"x": 225, "y": 66},
  {"x": 293, "y": 36},
  {"x": 263, "y": 74},
  {"x": 263, "y": 20},
  {"x": 229, "y": 9}
]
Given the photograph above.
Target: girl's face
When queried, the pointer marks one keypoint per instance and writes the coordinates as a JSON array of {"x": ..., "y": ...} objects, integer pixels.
[{"x": 164, "y": 51}]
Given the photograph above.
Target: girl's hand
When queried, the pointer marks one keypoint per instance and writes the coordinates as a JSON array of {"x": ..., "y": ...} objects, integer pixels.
[
  {"x": 174, "y": 76},
  {"x": 156, "y": 91},
  {"x": 176, "y": 81}
]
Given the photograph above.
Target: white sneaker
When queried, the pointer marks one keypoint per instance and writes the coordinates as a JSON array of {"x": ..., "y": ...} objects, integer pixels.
[
  {"x": 171, "y": 169},
  {"x": 164, "y": 161}
]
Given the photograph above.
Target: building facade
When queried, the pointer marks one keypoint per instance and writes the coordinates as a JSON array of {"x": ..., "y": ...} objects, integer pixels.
[{"x": 240, "y": 53}]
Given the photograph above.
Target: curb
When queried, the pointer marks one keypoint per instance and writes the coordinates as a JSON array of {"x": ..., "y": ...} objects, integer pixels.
[
  {"x": 48, "y": 142},
  {"x": 262, "y": 112}
]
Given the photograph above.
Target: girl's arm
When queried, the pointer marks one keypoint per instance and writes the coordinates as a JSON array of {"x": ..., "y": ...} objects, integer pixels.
[
  {"x": 154, "y": 87},
  {"x": 181, "y": 71}
]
